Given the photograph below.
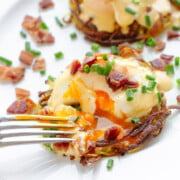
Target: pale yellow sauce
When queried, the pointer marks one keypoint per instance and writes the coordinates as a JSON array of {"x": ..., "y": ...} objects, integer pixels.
[{"x": 106, "y": 12}]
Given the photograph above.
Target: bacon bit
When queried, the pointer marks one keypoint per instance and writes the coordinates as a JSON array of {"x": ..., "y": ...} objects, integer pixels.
[
  {"x": 39, "y": 64},
  {"x": 166, "y": 58},
  {"x": 172, "y": 34},
  {"x": 14, "y": 74},
  {"x": 158, "y": 64},
  {"x": 160, "y": 45},
  {"x": 178, "y": 98},
  {"x": 89, "y": 60},
  {"x": 32, "y": 25},
  {"x": 22, "y": 93},
  {"x": 175, "y": 4},
  {"x": 22, "y": 106},
  {"x": 111, "y": 133},
  {"x": 44, "y": 4},
  {"x": 75, "y": 67},
  {"x": 26, "y": 57},
  {"x": 131, "y": 84}
]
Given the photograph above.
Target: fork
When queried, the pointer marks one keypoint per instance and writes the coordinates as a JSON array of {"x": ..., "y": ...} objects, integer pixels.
[{"x": 21, "y": 124}]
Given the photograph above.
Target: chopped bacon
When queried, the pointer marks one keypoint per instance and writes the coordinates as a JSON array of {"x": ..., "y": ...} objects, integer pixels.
[
  {"x": 22, "y": 93},
  {"x": 89, "y": 60},
  {"x": 32, "y": 25},
  {"x": 39, "y": 64},
  {"x": 75, "y": 67},
  {"x": 111, "y": 133},
  {"x": 167, "y": 58},
  {"x": 44, "y": 4},
  {"x": 160, "y": 45},
  {"x": 26, "y": 57},
  {"x": 22, "y": 106},
  {"x": 172, "y": 34},
  {"x": 176, "y": 4},
  {"x": 131, "y": 84},
  {"x": 178, "y": 98},
  {"x": 13, "y": 74},
  {"x": 158, "y": 64}
]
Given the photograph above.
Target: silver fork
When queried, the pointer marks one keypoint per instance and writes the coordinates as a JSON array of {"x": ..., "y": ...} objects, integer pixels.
[{"x": 22, "y": 123}]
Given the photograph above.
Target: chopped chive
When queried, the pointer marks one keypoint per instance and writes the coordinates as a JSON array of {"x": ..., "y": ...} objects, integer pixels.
[
  {"x": 5, "y": 60},
  {"x": 148, "y": 20},
  {"x": 73, "y": 35},
  {"x": 95, "y": 47},
  {"x": 134, "y": 90},
  {"x": 143, "y": 89},
  {"x": 177, "y": 2},
  {"x": 23, "y": 34},
  {"x": 51, "y": 78},
  {"x": 89, "y": 54},
  {"x": 100, "y": 70},
  {"x": 136, "y": 1},
  {"x": 42, "y": 71},
  {"x": 159, "y": 97},
  {"x": 140, "y": 45},
  {"x": 59, "y": 23},
  {"x": 151, "y": 42},
  {"x": 27, "y": 46},
  {"x": 169, "y": 69},
  {"x": 86, "y": 68},
  {"x": 110, "y": 164},
  {"x": 129, "y": 95},
  {"x": 135, "y": 120},
  {"x": 75, "y": 120},
  {"x": 176, "y": 28},
  {"x": 105, "y": 57},
  {"x": 151, "y": 85},
  {"x": 130, "y": 10},
  {"x": 94, "y": 68},
  {"x": 59, "y": 55},
  {"x": 177, "y": 61},
  {"x": 149, "y": 77},
  {"x": 107, "y": 69},
  {"x": 43, "y": 25},
  {"x": 114, "y": 50},
  {"x": 178, "y": 81}
]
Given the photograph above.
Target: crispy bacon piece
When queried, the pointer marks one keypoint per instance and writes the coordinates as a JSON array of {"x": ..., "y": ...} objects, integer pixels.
[
  {"x": 26, "y": 57},
  {"x": 175, "y": 4},
  {"x": 75, "y": 67},
  {"x": 45, "y": 4},
  {"x": 22, "y": 93},
  {"x": 89, "y": 60},
  {"x": 167, "y": 58},
  {"x": 111, "y": 133},
  {"x": 160, "y": 45},
  {"x": 13, "y": 74},
  {"x": 172, "y": 35},
  {"x": 32, "y": 25},
  {"x": 158, "y": 64},
  {"x": 21, "y": 106},
  {"x": 39, "y": 64}
]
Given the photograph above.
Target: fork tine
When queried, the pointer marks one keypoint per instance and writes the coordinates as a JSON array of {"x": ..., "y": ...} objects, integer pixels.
[
  {"x": 38, "y": 125},
  {"x": 37, "y": 132},
  {"x": 24, "y": 117},
  {"x": 4, "y": 143}
]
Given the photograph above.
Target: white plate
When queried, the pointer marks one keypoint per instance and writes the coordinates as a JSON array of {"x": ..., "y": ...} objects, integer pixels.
[{"x": 160, "y": 160}]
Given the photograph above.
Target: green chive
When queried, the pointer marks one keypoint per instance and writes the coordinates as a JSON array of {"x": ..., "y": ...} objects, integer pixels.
[
  {"x": 89, "y": 54},
  {"x": 151, "y": 42},
  {"x": 107, "y": 69},
  {"x": 177, "y": 2},
  {"x": 86, "y": 68},
  {"x": 23, "y": 34},
  {"x": 43, "y": 25},
  {"x": 5, "y": 61},
  {"x": 176, "y": 28},
  {"x": 177, "y": 61},
  {"x": 135, "y": 120},
  {"x": 59, "y": 23},
  {"x": 169, "y": 69},
  {"x": 140, "y": 45},
  {"x": 95, "y": 47},
  {"x": 143, "y": 89},
  {"x": 130, "y": 10},
  {"x": 151, "y": 85},
  {"x": 136, "y": 1},
  {"x": 178, "y": 81},
  {"x": 27, "y": 46},
  {"x": 114, "y": 50},
  {"x": 59, "y": 55},
  {"x": 94, "y": 68},
  {"x": 159, "y": 97},
  {"x": 110, "y": 164},
  {"x": 100, "y": 70},
  {"x": 149, "y": 77},
  {"x": 51, "y": 78},
  {"x": 148, "y": 20},
  {"x": 75, "y": 120},
  {"x": 105, "y": 57},
  {"x": 42, "y": 71},
  {"x": 129, "y": 95},
  {"x": 73, "y": 35}
]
